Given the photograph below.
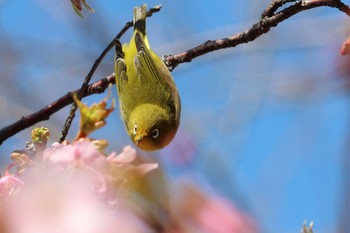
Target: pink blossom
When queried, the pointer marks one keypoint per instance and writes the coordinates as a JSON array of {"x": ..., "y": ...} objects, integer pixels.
[
  {"x": 196, "y": 211},
  {"x": 219, "y": 215},
  {"x": 81, "y": 153},
  {"x": 75, "y": 189},
  {"x": 52, "y": 206}
]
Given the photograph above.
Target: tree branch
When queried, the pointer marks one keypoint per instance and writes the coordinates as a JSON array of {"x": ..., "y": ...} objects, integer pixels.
[
  {"x": 45, "y": 113},
  {"x": 268, "y": 20}
]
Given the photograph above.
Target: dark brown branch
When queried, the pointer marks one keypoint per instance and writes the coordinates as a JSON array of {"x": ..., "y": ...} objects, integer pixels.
[
  {"x": 258, "y": 29},
  {"x": 93, "y": 69},
  {"x": 45, "y": 113},
  {"x": 268, "y": 20}
]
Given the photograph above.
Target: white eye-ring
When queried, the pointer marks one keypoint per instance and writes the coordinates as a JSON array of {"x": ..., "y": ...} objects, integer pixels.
[
  {"x": 155, "y": 133},
  {"x": 135, "y": 128}
]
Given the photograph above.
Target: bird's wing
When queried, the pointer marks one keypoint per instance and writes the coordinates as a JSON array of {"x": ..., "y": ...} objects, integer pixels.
[
  {"x": 120, "y": 67},
  {"x": 145, "y": 65},
  {"x": 159, "y": 73}
]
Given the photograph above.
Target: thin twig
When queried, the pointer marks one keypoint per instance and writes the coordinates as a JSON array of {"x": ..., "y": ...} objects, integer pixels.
[
  {"x": 270, "y": 10},
  {"x": 258, "y": 29},
  {"x": 45, "y": 113},
  {"x": 93, "y": 69}
]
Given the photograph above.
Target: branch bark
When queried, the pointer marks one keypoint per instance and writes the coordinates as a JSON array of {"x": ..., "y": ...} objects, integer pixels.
[
  {"x": 43, "y": 114},
  {"x": 270, "y": 18}
]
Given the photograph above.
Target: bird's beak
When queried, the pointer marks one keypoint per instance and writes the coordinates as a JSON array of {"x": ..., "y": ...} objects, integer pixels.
[
  {"x": 137, "y": 140},
  {"x": 140, "y": 136}
]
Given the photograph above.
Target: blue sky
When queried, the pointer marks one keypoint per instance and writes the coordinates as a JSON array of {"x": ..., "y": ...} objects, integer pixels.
[{"x": 267, "y": 121}]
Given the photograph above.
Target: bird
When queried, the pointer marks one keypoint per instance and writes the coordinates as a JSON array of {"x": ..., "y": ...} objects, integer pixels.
[{"x": 149, "y": 101}]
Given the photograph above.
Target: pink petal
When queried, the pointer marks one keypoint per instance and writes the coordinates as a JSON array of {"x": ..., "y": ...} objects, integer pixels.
[
  {"x": 8, "y": 183},
  {"x": 126, "y": 156},
  {"x": 143, "y": 169},
  {"x": 345, "y": 49}
]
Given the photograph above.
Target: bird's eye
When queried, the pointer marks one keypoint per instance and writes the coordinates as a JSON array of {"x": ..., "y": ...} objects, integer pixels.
[
  {"x": 135, "y": 128},
  {"x": 155, "y": 133}
]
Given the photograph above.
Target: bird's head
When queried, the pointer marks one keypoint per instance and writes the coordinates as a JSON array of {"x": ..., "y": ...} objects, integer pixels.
[{"x": 151, "y": 127}]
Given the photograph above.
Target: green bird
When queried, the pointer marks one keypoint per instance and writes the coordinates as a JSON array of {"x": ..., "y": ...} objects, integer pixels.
[{"x": 149, "y": 101}]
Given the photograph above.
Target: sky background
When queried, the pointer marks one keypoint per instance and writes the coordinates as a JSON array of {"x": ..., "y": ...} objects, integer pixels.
[{"x": 265, "y": 124}]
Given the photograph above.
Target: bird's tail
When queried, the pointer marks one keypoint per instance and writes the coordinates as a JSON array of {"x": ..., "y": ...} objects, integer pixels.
[{"x": 140, "y": 19}]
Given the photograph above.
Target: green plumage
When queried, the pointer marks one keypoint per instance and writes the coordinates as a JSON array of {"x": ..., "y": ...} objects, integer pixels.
[{"x": 147, "y": 93}]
